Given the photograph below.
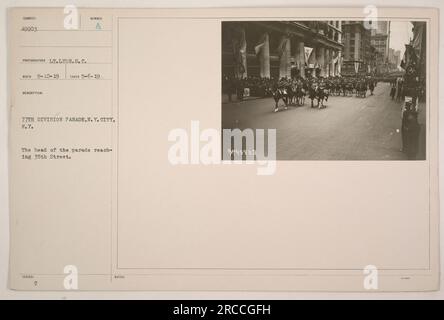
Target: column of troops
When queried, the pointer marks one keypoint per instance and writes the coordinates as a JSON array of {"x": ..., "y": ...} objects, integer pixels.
[{"x": 294, "y": 91}]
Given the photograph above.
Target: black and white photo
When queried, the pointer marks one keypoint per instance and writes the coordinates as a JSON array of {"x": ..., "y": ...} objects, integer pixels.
[{"x": 332, "y": 89}]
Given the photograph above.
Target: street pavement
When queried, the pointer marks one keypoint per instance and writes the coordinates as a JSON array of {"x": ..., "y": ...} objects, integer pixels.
[{"x": 349, "y": 128}]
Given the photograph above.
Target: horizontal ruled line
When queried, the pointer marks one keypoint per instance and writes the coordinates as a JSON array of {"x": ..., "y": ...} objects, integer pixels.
[
  {"x": 65, "y": 79},
  {"x": 67, "y": 46},
  {"x": 71, "y": 30},
  {"x": 62, "y": 63}
]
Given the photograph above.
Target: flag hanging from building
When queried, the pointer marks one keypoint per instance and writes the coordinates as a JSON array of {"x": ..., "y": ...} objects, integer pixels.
[
  {"x": 409, "y": 57},
  {"x": 282, "y": 45},
  {"x": 404, "y": 58},
  {"x": 243, "y": 42},
  {"x": 258, "y": 48},
  {"x": 239, "y": 45},
  {"x": 307, "y": 51},
  {"x": 418, "y": 37},
  {"x": 356, "y": 67}
]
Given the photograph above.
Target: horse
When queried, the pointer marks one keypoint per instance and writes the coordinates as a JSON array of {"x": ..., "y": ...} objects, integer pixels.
[
  {"x": 342, "y": 88},
  {"x": 291, "y": 93},
  {"x": 312, "y": 90},
  {"x": 361, "y": 89},
  {"x": 349, "y": 89},
  {"x": 320, "y": 94},
  {"x": 336, "y": 89},
  {"x": 371, "y": 86},
  {"x": 300, "y": 94}
]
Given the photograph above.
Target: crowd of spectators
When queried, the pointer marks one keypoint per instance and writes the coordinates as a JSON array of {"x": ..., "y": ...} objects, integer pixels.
[{"x": 258, "y": 87}]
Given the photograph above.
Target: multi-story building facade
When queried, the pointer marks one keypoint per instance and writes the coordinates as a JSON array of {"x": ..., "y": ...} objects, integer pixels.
[
  {"x": 277, "y": 49},
  {"x": 397, "y": 58},
  {"x": 394, "y": 59},
  {"x": 380, "y": 39},
  {"x": 357, "y": 55},
  {"x": 380, "y": 27},
  {"x": 419, "y": 44}
]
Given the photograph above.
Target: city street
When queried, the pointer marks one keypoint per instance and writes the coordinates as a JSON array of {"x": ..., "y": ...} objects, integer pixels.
[{"x": 349, "y": 128}]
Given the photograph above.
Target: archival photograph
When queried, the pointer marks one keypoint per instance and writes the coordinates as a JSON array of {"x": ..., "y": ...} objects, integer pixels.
[{"x": 331, "y": 89}]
